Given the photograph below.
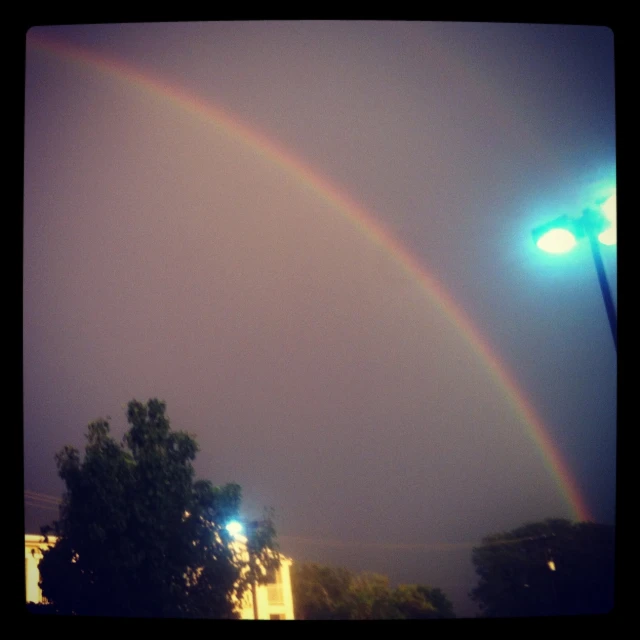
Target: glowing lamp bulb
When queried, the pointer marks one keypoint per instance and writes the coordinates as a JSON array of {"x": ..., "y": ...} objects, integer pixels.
[
  {"x": 609, "y": 236},
  {"x": 609, "y": 208},
  {"x": 557, "y": 241},
  {"x": 609, "y": 211},
  {"x": 234, "y": 528}
]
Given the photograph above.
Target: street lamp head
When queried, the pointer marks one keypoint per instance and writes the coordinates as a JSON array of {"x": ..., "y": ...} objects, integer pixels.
[
  {"x": 562, "y": 234},
  {"x": 557, "y": 241},
  {"x": 609, "y": 208},
  {"x": 609, "y": 236},
  {"x": 597, "y": 224},
  {"x": 609, "y": 211},
  {"x": 557, "y": 236},
  {"x": 234, "y": 528}
]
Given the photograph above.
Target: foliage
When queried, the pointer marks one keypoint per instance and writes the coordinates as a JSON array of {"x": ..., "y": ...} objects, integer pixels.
[
  {"x": 371, "y": 598},
  {"x": 320, "y": 592},
  {"x": 418, "y": 602},
  {"x": 139, "y": 536},
  {"x": 517, "y": 579},
  {"x": 334, "y": 593}
]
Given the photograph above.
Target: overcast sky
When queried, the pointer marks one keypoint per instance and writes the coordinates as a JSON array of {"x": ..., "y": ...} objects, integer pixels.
[{"x": 170, "y": 255}]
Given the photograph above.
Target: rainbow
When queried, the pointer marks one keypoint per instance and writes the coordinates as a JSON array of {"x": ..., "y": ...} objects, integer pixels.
[{"x": 363, "y": 220}]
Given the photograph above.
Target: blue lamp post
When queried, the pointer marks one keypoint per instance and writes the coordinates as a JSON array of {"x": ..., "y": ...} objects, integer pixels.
[{"x": 599, "y": 227}]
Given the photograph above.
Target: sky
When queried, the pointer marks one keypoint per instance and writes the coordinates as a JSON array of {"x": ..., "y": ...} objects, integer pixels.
[{"x": 313, "y": 241}]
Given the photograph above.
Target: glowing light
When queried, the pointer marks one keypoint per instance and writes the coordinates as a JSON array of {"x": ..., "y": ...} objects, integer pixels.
[
  {"x": 552, "y": 565},
  {"x": 557, "y": 241},
  {"x": 234, "y": 528},
  {"x": 609, "y": 208},
  {"x": 608, "y": 237}
]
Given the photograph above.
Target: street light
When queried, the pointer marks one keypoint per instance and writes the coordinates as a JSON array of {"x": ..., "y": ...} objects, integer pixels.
[
  {"x": 598, "y": 226},
  {"x": 235, "y": 528}
]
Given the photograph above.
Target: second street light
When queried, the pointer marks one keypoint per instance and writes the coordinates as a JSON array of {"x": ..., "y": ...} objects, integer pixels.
[{"x": 598, "y": 226}]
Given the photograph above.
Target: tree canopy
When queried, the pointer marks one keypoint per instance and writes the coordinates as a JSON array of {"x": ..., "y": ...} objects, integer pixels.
[
  {"x": 547, "y": 568},
  {"x": 334, "y": 593},
  {"x": 139, "y": 536}
]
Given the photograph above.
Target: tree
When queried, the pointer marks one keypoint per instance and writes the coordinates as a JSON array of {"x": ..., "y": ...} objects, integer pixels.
[
  {"x": 372, "y": 598},
  {"x": 138, "y": 535},
  {"x": 419, "y": 602},
  {"x": 321, "y": 592},
  {"x": 333, "y": 593},
  {"x": 553, "y": 567}
]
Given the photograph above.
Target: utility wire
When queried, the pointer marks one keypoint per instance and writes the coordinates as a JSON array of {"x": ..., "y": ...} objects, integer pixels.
[{"x": 51, "y": 502}]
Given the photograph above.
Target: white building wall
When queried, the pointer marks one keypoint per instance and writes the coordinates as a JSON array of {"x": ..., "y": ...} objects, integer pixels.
[
  {"x": 273, "y": 600},
  {"x": 33, "y": 548}
]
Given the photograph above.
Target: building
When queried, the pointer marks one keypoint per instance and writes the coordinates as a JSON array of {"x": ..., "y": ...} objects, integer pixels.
[
  {"x": 33, "y": 548},
  {"x": 274, "y": 601}
]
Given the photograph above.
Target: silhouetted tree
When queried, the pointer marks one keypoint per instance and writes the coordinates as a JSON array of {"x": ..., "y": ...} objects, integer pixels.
[
  {"x": 321, "y": 592},
  {"x": 139, "y": 536},
  {"x": 333, "y": 593},
  {"x": 548, "y": 568},
  {"x": 418, "y": 602}
]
